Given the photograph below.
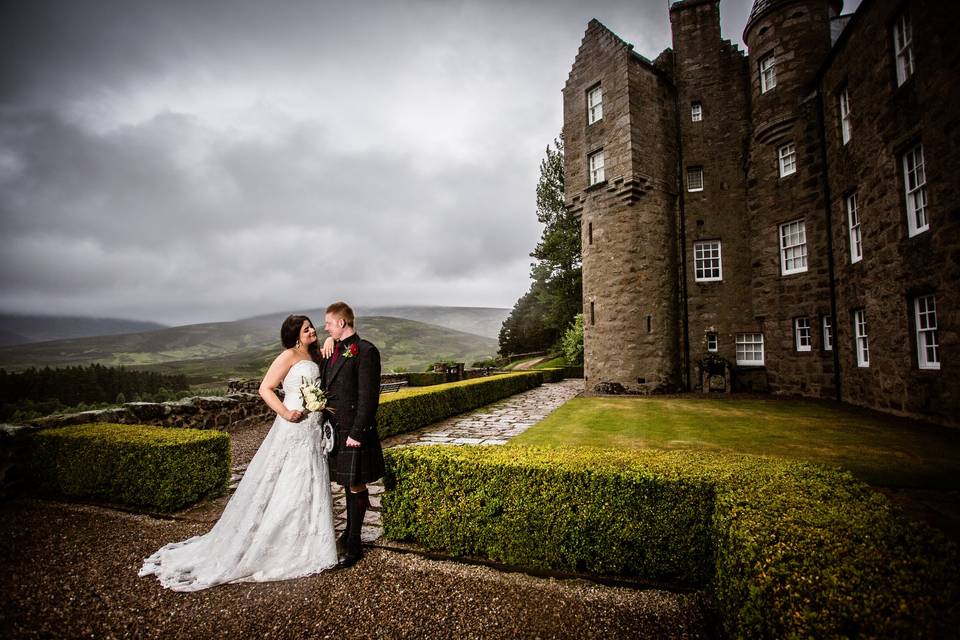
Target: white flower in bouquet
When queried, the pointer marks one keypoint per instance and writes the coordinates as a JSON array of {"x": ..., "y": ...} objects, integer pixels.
[{"x": 314, "y": 399}]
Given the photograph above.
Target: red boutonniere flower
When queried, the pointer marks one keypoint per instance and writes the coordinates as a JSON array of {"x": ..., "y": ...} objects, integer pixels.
[{"x": 352, "y": 350}]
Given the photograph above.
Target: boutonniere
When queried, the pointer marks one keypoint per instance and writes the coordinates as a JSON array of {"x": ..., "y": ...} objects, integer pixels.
[{"x": 349, "y": 352}]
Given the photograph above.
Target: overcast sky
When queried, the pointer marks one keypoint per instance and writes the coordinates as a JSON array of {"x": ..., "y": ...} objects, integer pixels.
[{"x": 186, "y": 161}]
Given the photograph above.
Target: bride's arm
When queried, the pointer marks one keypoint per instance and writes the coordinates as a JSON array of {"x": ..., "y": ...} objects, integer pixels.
[{"x": 271, "y": 381}]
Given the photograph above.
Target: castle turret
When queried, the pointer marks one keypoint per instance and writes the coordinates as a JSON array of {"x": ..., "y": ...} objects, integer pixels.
[{"x": 788, "y": 41}]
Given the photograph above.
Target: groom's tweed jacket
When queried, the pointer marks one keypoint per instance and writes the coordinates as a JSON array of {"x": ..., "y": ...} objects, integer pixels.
[{"x": 353, "y": 384}]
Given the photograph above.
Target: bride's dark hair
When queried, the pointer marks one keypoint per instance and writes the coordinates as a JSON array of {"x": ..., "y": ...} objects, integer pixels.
[{"x": 290, "y": 334}]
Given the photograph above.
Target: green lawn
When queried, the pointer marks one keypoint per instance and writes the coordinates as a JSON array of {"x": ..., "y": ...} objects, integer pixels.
[
  {"x": 877, "y": 449},
  {"x": 550, "y": 364}
]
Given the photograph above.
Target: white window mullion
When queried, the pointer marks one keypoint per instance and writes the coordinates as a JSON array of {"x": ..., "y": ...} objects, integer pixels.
[
  {"x": 750, "y": 349},
  {"x": 768, "y": 73},
  {"x": 915, "y": 185},
  {"x": 853, "y": 221},
  {"x": 928, "y": 341},
  {"x": 845, "y": 115},
  {"x": 802, "y": 334},
  {"x": 793, "y": 247},
  {"x": 903, "y": 46},
  {"x": 861, "y": 342},
  {"x": 707, "y": 262},
  {"x": 596, "y": 167},
  {"x": 695, "y": 179},
  {"x": 827, "y": 333},
  {"x": 787, "y": 156},
  {"x": 594, "y": 104}
]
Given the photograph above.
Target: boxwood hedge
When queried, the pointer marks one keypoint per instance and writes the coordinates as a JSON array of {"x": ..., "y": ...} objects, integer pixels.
[
  {"x": 788, "y": 549},
  {"x": 419, "y": 407},
  {"x": 146, "y": 467}
]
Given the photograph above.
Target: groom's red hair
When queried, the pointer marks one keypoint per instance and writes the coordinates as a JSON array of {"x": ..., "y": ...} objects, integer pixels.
[{"x": 342, "y": 310}]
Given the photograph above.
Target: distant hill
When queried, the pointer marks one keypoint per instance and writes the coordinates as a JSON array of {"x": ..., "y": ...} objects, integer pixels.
[
  {"x": 221, "y": 350},
  {"x": 24, "y": 329},
  {"x": 481, "y": 321}
]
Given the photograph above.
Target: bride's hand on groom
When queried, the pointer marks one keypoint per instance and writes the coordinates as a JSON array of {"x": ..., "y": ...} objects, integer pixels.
[
  {"x": 293, "y": 416},
  {"x": 327, "y": 349}
]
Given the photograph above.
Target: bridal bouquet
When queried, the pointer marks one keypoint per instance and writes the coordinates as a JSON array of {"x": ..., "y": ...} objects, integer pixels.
[{"x": 314, "y": 399}]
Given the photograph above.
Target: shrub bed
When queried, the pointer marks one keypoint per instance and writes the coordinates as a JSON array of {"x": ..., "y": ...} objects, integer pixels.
[
  {"x": 788, "y": 549},
  {"x": 425, "y": 379},
  {"x": 146, "y": 467},
  {"x": 416, "y": 408},
  {"x": 553, "y": 374}
]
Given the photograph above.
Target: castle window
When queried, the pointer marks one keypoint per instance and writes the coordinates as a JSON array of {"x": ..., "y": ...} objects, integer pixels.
[
  {"x": 768, "y": 73},
  {"x": 590, "y": 233},
  {"x": 787, "y": 155},
  {"x": 750, "y": 349},
  {"x": 695, "y": 179},
  {"x": 915, "y": 183},
  {"x": 928, "y": 343},
  {"x": 802, "y": 334},
  {"x": 596, "y": 167},
  {"x": 713, "y": 344},
  {"x": 706, "y": 261},
  {"x": 793, "y": 247},
  {"x": 845, "y": 115},
  {"x": 696, "y": 112},
  {"x": 827, "y": 322},
  {"x": 903, "y": 47},
  {"x": 853, "y": 220},
  {"x": 861, "y": 343},
  {"x": 594, "y": 104}
]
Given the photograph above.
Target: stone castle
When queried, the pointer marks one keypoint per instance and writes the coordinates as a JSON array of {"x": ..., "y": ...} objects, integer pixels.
[{"x": 784, "y": 220}]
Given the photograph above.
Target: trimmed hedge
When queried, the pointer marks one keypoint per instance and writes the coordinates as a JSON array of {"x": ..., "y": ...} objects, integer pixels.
[
  {"x": 553, "y": 374},
  {"x": 789, "y": 549},
  {"x": 412, "y": 409},
  {"x": 573, "y": 371},
  {"x": 425, "y": 379},
  {"x": 146, "y": 467}
]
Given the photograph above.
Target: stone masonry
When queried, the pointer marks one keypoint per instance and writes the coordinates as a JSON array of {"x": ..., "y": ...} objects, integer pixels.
[{"x": 709, "y": 149}]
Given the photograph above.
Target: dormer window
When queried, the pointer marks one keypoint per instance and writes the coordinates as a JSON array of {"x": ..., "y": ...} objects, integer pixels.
[{"x": 594, "y": 105}]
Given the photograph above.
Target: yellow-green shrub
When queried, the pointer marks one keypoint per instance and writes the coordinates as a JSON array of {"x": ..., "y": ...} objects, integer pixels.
[
  {"x": 146, "y": 467},
  {"x": 419, "y": 407},
  {"x": 788, "y": 549}
]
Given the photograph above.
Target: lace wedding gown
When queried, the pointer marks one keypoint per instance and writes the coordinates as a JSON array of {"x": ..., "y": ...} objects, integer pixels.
[{"x": 279, "y": 522}]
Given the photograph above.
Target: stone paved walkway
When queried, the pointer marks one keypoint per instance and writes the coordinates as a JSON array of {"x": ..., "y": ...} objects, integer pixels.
[{"x": 493, "y": 424}]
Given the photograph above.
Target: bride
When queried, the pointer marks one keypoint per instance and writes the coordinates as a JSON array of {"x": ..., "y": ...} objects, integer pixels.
[{"x": 279, "y": 523}]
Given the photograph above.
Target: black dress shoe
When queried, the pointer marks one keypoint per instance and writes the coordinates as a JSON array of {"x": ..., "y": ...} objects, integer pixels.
[{"x": 349, "y": 559}]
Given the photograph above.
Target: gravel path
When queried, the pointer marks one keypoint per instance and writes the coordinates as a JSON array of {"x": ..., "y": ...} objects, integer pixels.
[{"x": 71, "y": 571}]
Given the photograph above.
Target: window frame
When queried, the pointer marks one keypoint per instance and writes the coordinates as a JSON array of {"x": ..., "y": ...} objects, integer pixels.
[
  {"x": 766, "y": 84},
  {"x": 696, "y": 111},
  {"x": 923, "y": 332},
  {"x": 846, "y": 126},
  {"x": 903, "y": 47},
  {"x": 697, "y": 170},
  {"x": 826, "y": 332},
  {"x": 592, "y": 169},
  {"x": 790, "y": 157},
  {"x": 594, "y": 110},
  {"x": 713, "y": 338},
  {"x": 854, "y": 231},
  {"x": 802, "y": 334},
  {"x": 861, "y": 344},
  {"x": 741, "y": 341},
  {"x": 784, "y": 248},
  {"x": 918, "y": 193},
  {"x": 700, "y": 244}
]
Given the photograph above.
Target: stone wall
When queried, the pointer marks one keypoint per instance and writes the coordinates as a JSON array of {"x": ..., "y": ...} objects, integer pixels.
[{"x": 886, "y": 120}]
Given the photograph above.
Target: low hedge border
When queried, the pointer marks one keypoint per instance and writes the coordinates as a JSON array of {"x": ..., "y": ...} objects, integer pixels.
[
  {"x": 418, "y": 407},
  {"x": 788, "y": 549},
  {"x": 553, "y": 374},
  {"x": 424, "y": 379},
  {"x": 152, "y": 468}
]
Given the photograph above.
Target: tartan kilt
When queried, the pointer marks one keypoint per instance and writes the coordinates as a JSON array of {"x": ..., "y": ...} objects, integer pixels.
[{"x": 349, "y": 466}]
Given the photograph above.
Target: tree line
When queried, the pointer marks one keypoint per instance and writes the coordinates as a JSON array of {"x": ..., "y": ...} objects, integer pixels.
[
  {"x": 544, "y": 315},
  {"x": 40, "y": 390}
]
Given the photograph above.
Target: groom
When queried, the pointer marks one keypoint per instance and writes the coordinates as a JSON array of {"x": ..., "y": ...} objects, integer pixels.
[{"x": 351, "y": 378}]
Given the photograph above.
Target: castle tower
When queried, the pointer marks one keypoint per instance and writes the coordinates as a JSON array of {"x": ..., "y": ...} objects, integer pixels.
[
  {"x": 788, "y": 41},
  {"x": 620, "y": 153},
  {"x": 713, "y": 98}
]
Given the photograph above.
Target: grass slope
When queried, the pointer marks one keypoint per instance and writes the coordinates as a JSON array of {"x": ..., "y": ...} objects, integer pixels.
[
  {"x": 219, "y": 351},
  {"x": 878, "y": 449},
  {"x": 23, "y": 329}
]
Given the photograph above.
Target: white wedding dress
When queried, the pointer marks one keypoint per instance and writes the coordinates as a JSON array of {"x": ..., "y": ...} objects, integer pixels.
[{"x": 279, "y": 522}]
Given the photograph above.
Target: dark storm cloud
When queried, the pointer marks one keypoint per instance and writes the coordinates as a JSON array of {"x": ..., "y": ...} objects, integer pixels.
[{"x": 187, "y": 161}]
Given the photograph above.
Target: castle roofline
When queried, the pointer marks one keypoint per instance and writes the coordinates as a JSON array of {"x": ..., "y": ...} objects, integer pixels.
[
  {"x": 763, "y": 7},
  {"x": 595, "y": 24}
]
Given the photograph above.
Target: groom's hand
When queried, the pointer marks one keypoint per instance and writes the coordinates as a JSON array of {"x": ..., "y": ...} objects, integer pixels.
[{"x": 352, "y": 443}]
